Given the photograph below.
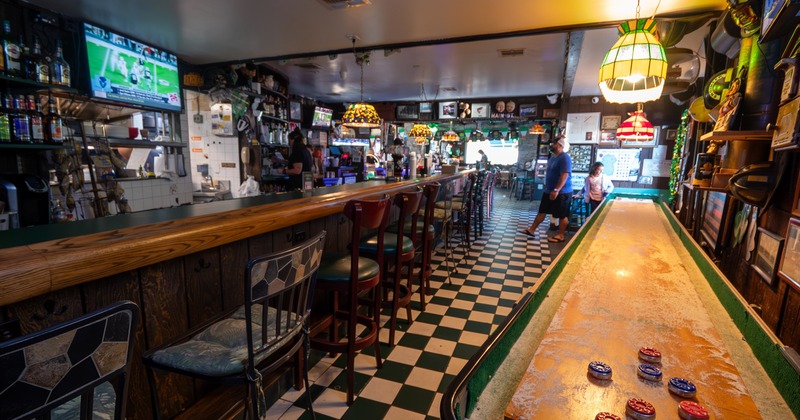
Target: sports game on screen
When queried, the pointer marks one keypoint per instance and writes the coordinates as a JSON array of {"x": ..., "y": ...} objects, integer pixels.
[
  {"x": 322, "y": 117},
  {"x": 124, "y": 70}
]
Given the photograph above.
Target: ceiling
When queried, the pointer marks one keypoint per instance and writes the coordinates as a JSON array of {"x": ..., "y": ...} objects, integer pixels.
[{"x": 420, "y": 50}]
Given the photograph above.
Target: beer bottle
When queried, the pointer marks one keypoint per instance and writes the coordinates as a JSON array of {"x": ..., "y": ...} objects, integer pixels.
[
  {"x": 42, "y": 66},
  {"x": 11, "y": 52}
]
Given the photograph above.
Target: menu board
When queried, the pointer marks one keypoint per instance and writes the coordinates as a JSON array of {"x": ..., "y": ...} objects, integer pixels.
[{"x": 620, "y": 164}]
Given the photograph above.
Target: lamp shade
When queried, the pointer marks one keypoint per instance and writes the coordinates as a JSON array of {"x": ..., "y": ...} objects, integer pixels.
[
  {"x": 450, "y": 136},
  {"x": 420, "y": 131},
  {"x": 635, "y": 68},
  {"x": 636, "y": 128},
  {"x": 361, "y": 115}
]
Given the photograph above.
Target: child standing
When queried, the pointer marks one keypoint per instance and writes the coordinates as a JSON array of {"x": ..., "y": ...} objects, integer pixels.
[{"x": 596, "y": 186}]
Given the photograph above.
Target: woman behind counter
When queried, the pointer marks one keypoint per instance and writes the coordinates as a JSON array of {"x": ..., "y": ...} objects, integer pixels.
[{"x": 300, "y": 161}]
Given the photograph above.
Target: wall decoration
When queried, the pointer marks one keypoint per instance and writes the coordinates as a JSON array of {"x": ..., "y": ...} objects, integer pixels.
[
  {"x": 796, "y": 201},
  {"x": 551, "y": 113},
  {"x": 481, "y": 110},
  {"x": 544, "y": 150},
  {"x": 672, "y": 134},
  {"x": 295, "y": 110},
  {"x": 778, "y": 18},
  {"x": 790, "y": 262},
  {"x": 528, "y": 110},
  {"x": 447, "y": 110},
  {"x": 578, "y": 181},
  {"x": 620, "y": 164},
  {"x": 788, "y": 122},
  {"x": 425, "y": 107},
  {"x": 583, "y": 127},
  {"x": 407, "y": 112},
  {"x": 608, "y": 138},
  {"x": 611, "y": 122},
  {"x": 581, "y": 155},
  {"x": 768, "y": 250}
]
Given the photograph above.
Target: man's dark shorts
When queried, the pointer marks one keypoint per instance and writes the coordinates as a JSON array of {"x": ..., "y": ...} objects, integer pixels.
[{"x": 559, "y": 207}]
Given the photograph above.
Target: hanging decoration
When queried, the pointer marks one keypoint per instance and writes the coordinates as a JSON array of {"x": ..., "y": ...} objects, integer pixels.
[
  {"x": 420, "y": 133},
  {"x": 361, "y": 114},
  {"x": 536, "y": 129},
  {"x": 677, "y": 151},
  {"x": 634, "y": 69},
  {"x": 637, "y": 127}
]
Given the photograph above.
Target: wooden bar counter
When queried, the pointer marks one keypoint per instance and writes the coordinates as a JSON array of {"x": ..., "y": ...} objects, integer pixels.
[{"x": 181, "y": 266}]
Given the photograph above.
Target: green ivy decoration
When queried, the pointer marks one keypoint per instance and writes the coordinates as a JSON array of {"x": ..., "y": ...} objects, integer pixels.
[{"x": 675, "y": 166}]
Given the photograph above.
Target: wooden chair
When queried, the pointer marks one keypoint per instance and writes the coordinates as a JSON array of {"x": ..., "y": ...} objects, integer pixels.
[
  {"x": 349, "y": 275},
  {"x": 78, "y": 369},
  {"x": 424, "y": 239},
  {"x": 240, "y": 346}
]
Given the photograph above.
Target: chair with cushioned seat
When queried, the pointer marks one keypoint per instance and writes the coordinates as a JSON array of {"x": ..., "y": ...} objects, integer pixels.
[
  {"x": 78, "y": 369},
  {"x": 424, "y": 238},
  {"x": 464, "y": 207},
  {"x": 443, "y": 217},
  {"x": 399, "y": 251},
  {"x": 239, "y": 346},
  {"x": 350, "y": 275}
]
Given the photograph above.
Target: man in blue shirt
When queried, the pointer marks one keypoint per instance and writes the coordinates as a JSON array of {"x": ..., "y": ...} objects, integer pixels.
[{"x": 557, "y": 192}]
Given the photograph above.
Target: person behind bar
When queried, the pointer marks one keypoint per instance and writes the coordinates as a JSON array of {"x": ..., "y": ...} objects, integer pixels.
[
  {"x": 300, "y": 161},
  {"x": 484, "y": 162},
  {"x": 596, "y": 186},
  {"x": 557, "y": 192}
]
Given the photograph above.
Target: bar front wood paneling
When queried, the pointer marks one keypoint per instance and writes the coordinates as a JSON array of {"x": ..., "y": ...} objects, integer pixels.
[{"x": 33, "y": 269}]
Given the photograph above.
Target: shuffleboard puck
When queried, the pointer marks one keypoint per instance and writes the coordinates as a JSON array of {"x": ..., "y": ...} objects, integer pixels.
[
  {"x": 649, "y": 354},
  {"x": 682, "y": 387},
  {"x": 599, "y": 370},
  {"x": 648, "y": 372},
  {"x": 640, "y": 409},
  {"x": 690, "y": 410}
]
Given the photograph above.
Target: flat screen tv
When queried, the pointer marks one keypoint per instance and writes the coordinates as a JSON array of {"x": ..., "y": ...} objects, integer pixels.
[
  {"x": 322, "y": 117},
  {"x": 127, "y": 71}
]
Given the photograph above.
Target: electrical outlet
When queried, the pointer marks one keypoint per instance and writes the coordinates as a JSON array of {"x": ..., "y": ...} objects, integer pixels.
[
  {"x": 198, "y": 118},
  {"x": 299, "y": 237}
]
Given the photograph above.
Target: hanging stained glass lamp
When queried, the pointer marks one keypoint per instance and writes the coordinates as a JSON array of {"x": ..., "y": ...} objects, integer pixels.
[
  {"x": 635, "y": 68},
  {"x": 636, "y": 127}
]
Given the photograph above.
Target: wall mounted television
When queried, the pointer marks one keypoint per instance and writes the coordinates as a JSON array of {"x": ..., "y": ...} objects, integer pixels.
[
  {"x": 130, "y": 72},
  {"x": 322, "y": 117}
]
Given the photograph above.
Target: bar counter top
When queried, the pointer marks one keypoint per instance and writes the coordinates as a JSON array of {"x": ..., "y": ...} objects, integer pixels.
[{"x": 39, "y": 259}]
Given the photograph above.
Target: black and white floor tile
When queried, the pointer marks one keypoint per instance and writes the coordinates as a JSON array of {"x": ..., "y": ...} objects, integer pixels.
[{"x": 459, "y": 317}]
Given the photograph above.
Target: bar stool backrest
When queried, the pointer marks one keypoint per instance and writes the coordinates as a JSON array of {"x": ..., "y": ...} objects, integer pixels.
[
  {"x": 408, "y": 202},
  {"x": 278, "y": 293},
  {"x": 85, "y": 361},
  {"x": 429, "y": 193},
  {"x": 367, "y": 214}
]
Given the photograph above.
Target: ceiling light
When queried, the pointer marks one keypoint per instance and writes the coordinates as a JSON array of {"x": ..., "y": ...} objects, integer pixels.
[
  {"x": 637, "y": 127},
  {"x": 635, "y": 68},
  {"x": 450, "y": 136},
  {"x": 361, "y": 114}
]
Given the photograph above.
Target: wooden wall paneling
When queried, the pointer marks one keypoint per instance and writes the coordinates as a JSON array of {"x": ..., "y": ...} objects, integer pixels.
[
  {"x": 101, "y": 293},
  {"x": 301, "y": 232},
  {"x": 202, "y": 274},
  {"x": 316, "y": 226},
  {"x": 789, "y": 330},
  {"x": 282, "y": 239},
  {"x": 233, "y": 260},
  {"x": 260, "y": 245},
  {"x": 332, "y": 238},
  {"x": 165, "y": 316},
  {"x": 47, "y": 310}
]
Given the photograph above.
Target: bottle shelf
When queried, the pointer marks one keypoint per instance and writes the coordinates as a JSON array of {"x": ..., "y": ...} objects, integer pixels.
[
  {"x": 276, "y": 119},
  {"x": 751, "y": 135},
  {"x": 147, "y": 144},
  {"x": 18, "y": 81},
  {"x": 31, "y": 146}
]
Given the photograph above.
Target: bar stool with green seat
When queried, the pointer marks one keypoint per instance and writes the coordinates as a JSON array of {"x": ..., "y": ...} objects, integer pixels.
[
  {"x": 463, "y": 207},
  {"x": 398, "y": 249},
  {"x": 426, "y": 233},
  {"x": 349, "y": 275}
]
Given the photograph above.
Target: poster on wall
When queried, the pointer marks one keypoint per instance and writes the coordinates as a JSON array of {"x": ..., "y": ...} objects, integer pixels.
[
  {"x": 583, "y": 127},
  {"x": 653, "y": 167},
  {"x": 620, "y": 164}
]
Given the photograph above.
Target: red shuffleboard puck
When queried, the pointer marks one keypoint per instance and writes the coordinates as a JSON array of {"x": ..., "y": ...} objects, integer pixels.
[
  {"x": 640, "y": 409},
  {"x": 690, "y": 410},
  {"x": 649, "y": 354},
  {"x": 607, "y": 416}
]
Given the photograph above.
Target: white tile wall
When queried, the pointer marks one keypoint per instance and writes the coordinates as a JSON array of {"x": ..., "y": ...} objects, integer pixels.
[{"x": 206, "y": 148}]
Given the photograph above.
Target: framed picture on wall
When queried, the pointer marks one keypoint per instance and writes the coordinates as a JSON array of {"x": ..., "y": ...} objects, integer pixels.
[
  {"x": 610, "y": 122},
  {"x": 295, "y": 111},
  {"x": 447, "y": 110},
  {"x": 528, "y": 110},
  {"x": 768, "y": 251},
  {"x": 407, "y": 112},
  {"x": 672, "y": 134},
  {"x": 425, "y": 110},
  {"x": 544, "y": 150},
  {"x": 778, "y": 18},
  {"x": 551, "y": 113},
  {"x": 481, "y": 110},
  {"x": 790, "y": 262},
  {"x": 608, "y": 138}
]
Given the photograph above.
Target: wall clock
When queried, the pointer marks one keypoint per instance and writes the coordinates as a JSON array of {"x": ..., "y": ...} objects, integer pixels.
[{"x": 583, "y": 127}]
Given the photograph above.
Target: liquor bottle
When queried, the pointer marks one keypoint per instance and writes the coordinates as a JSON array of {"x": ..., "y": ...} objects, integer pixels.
[
  {"x": 41, "y": 62},
  {"x": 37, "y": 126},
  {"x": 5, "y": 128},
  {"x": 11, "y": 52},
  {"x": 20, "y": 123},
  {"x": 28, "y": 65},
  {"x": 59, "y": 68},
  {"x": 54, "y": 121}
]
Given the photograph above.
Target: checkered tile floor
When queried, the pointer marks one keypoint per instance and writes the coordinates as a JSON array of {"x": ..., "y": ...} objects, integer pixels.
[{"x": 429, "y": 353}]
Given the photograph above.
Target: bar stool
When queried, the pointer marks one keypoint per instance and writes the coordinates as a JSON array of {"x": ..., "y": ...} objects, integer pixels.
[
  {"x": 399, "y": 249},
  {"x": 39, "y": 381},
  {"x": 350, "y": 274},
  {"x": 241, "y": 345},
  {"x": 443, "y": 216},
  {"x": 464, "y": 206}
]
